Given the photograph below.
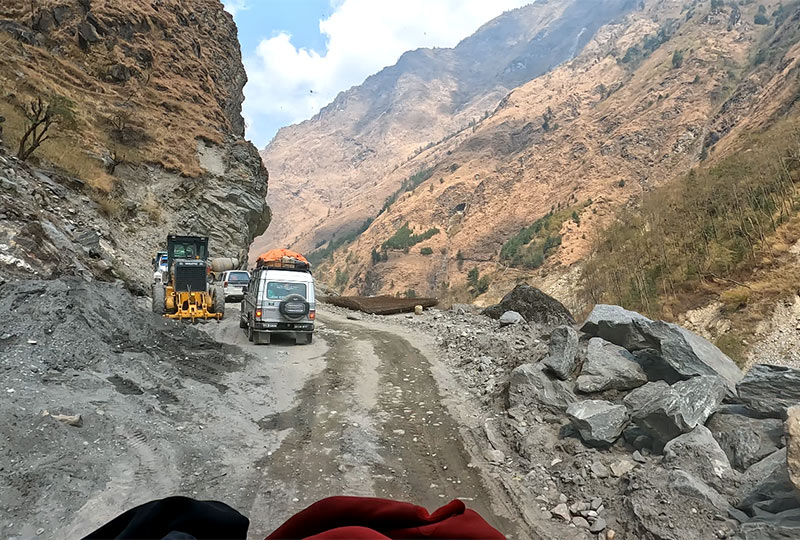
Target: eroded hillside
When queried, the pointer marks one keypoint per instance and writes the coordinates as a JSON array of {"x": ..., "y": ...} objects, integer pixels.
[
  {"x": 672, "y": 86},
  {"x": 149, "y": 138},
  {"x": 337, "y": 169}
]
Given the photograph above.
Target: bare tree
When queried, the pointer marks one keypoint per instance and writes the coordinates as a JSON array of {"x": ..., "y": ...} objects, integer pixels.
[{"x": 41, "y": 117}]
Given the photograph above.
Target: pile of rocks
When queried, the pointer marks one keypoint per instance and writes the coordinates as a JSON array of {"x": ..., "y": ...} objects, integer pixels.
[{"x": 714, "y": 438}]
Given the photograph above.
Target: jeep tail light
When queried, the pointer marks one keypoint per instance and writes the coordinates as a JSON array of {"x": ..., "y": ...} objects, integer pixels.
[
  {"x": 312, "y": 315},
  {"x": 258, "y": 314},
  {"x": 224, "y": 283}
]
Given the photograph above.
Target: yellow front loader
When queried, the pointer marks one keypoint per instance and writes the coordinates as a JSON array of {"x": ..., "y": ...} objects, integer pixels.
[{"x": 185, "y": 292}]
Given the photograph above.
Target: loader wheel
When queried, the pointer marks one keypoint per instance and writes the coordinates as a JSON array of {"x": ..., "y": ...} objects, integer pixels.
[
  {"x": 218, "y": 301},
  {"x": 159, "y": 300},
  {"x": 242, "y": 322}
]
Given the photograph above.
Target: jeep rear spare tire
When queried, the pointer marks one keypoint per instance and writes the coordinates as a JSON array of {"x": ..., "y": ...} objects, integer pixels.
[{"x": 294, "y": 307}]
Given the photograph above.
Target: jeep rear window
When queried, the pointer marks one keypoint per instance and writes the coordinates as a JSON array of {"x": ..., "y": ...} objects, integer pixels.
[
  {"x": 278, "y": 290},
  {"x": 239, "y": 277}
]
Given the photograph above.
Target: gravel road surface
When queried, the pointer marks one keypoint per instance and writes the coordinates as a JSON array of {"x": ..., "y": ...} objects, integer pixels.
[{"x": 364, "y": 410}]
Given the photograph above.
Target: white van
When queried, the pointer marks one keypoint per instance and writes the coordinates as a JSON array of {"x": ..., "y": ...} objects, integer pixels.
[
  {"x": 279, "y": 301},
  {"x": 233, "y": 283}
]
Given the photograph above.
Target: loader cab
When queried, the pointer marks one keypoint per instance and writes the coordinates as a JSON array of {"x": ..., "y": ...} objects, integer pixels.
[{"x": 186, "y": 260}]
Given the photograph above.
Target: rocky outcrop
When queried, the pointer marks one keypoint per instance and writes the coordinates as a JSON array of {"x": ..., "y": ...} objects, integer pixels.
[
  {"x": 609, "y": 367},
  {"x": 144, "y": 163},
  {"x": 534, "y": 305},
  {"x": 770, "y": 390}
]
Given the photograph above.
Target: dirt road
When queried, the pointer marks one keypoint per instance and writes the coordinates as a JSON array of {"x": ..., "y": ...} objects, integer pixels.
[{"x": 357, "y": 412}]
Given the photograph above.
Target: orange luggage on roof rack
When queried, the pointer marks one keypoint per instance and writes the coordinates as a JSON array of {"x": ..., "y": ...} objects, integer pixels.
[{"x": 283, "y": 258}]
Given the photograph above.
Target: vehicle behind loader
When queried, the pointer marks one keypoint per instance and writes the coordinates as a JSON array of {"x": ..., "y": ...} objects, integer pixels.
[{"x": 185, "y": 292}]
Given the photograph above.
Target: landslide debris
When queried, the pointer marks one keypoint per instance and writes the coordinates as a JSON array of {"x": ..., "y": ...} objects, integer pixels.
[
  {"x": 98, "y": 392},
  {"x": 672, "y": 459}
]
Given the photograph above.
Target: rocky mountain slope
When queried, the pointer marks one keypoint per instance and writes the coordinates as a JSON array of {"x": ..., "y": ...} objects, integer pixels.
[
  {"x": 522, "y": 195},
  {"x": 148, "y": 141},
  {"x": 337, "y": 169}
]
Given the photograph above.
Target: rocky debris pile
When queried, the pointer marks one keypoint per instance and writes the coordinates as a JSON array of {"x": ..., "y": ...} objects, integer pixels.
[
  {"x": 655, "y": 389},
  {"x": 653, "y": 420},
  {"x": 89, "y": 375},
  {"x": 533, "y": 305}
]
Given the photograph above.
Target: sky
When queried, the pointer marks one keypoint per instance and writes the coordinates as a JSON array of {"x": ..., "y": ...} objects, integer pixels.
[{"x": 299, "y": 54}]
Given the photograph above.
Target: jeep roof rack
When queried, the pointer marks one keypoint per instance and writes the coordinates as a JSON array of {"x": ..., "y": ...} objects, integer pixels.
[{"x": 284, "y": 263}]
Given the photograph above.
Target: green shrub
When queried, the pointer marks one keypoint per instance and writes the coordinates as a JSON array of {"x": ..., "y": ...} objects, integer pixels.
[
  {"x": 426, "y": 251},
  {"x": 761, "y": 19},
  {"x": 533, "y": 244},
  {"x": 677, "y": 59},
  {"x": 317, "y": 256},
  {"x": 405, "y": 238},
  {"x": 409, "y": 184}
]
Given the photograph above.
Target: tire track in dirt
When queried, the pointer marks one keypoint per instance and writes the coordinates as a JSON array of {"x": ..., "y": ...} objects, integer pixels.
[{"x": 371, "y": 424}]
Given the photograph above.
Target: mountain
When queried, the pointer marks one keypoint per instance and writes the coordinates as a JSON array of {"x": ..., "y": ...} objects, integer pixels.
[
  {"x": 652, "y": 94},
  {"x": 146, "y": 136},
  {"x": 336, "y": 169}
]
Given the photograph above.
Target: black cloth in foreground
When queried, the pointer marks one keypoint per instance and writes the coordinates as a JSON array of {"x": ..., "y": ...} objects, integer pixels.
[{"x": 176, "y": 518}]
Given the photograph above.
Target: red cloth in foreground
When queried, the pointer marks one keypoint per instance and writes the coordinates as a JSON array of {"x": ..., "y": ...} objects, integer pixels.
[{"x": 366, "y": 518}]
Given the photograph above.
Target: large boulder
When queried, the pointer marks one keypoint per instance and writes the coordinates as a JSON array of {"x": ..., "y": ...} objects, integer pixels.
[
  {"x": 534, "y": 305},
  {"x": 665, "y": 350},
  {"x": 599, "y": 423},
  {"x": 530, "y": 386},
  {"x": 770, "y": 390},
  {"x": 689, "y": 354},
  {"x": 698, "y": 453},
  {"x": 766, "y": 480},
  {"x": 562, "y": 352},
  {"x": 609, "y": 367},
  {"x": 665, "y": 412},
  {"x": 745, "y": 440},
  {"x": 616, "y": 324},
  {"x": 793, "y": 446}
]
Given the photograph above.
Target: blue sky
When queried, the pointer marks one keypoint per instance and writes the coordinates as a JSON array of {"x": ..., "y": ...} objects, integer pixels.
[{"x": 299, "y": 54}]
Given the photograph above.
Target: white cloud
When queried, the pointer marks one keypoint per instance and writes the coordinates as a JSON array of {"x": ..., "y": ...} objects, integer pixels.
[
  {"x": 234, "y": 6},
  {"x": 289, "y": 84}
]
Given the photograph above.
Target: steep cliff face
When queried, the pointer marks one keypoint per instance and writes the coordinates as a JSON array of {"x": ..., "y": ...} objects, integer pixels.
[
  {"x": 336, "y": 169},
  {"x": 151, "y": 143},
  {"x": 671, "y": 86}
]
